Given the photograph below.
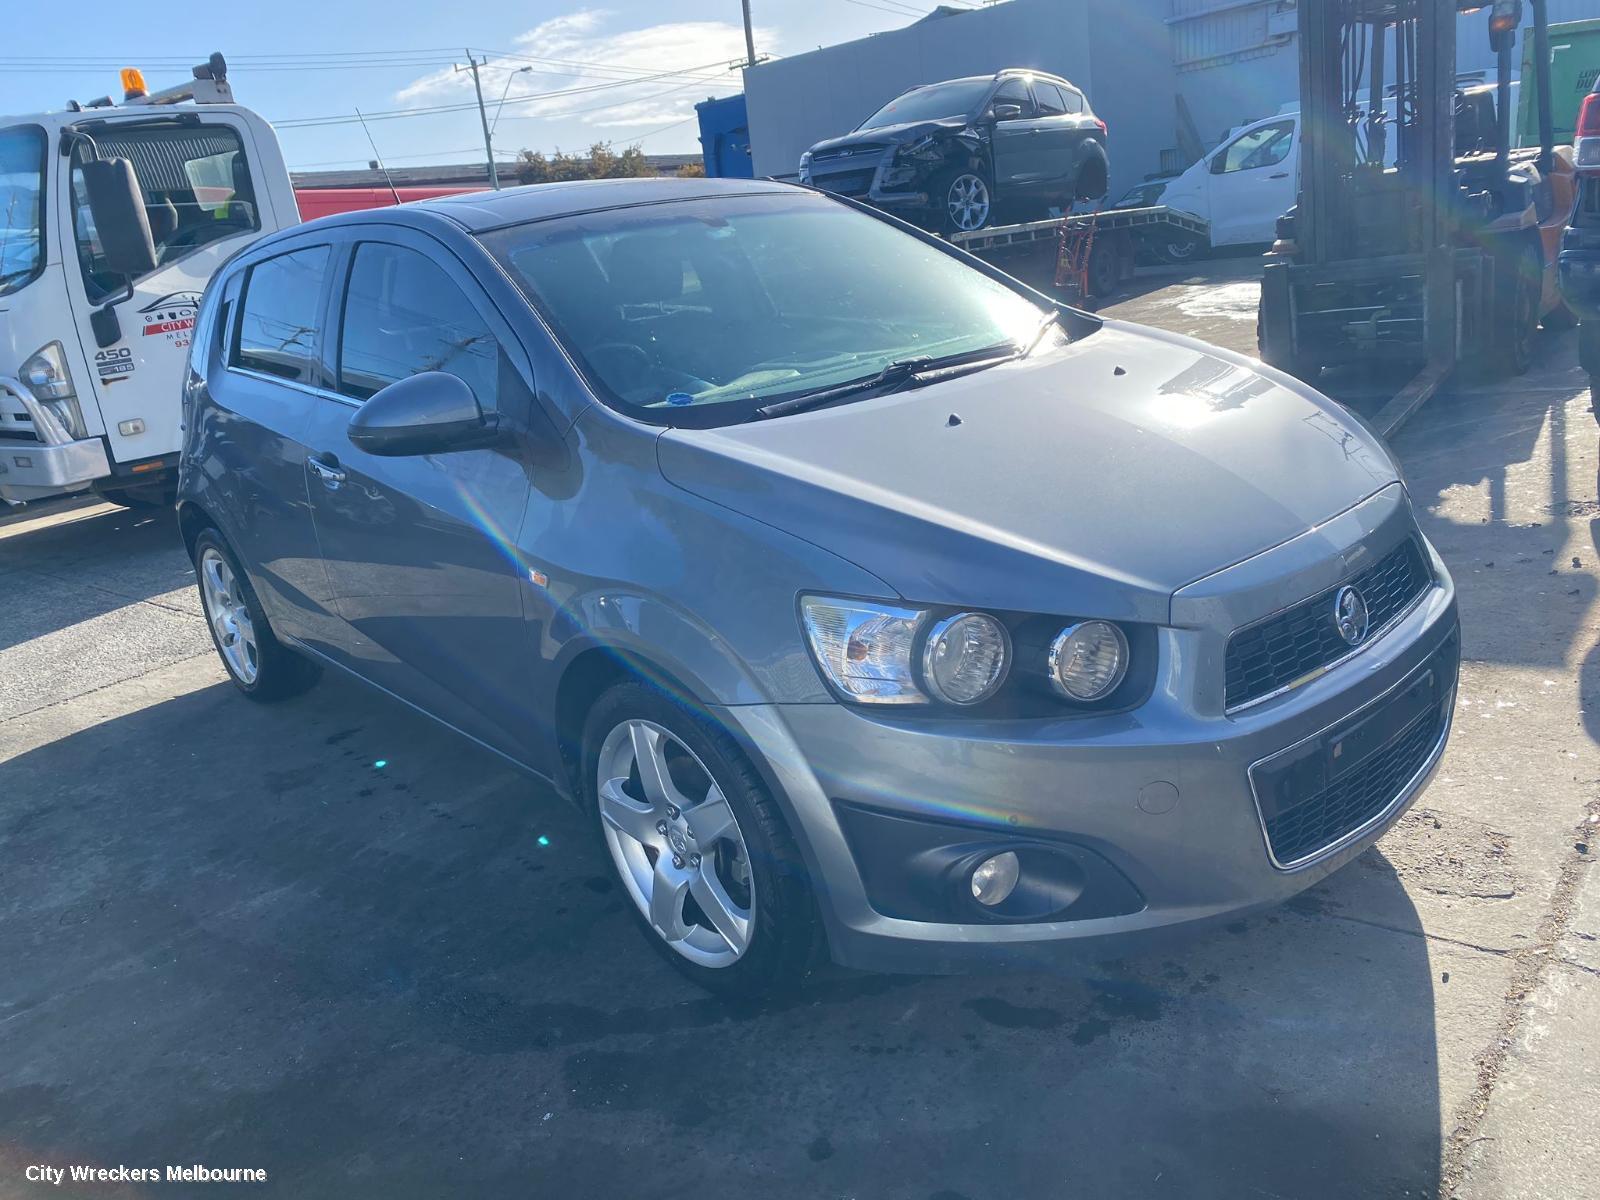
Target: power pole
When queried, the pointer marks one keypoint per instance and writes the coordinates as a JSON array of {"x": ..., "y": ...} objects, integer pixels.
[
  {"x": 749, "y": 37},
  {"x": 483, "y": 115}
]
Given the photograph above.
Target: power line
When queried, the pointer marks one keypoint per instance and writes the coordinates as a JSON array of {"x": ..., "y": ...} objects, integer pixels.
[{"x": 532, "y": 97}]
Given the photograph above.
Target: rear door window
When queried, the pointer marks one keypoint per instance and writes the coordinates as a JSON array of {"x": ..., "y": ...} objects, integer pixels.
[
  {"x": 403, "y": 315},
  {"x": 280, "y": 315},
  {"x": 1049, "y": 97}
]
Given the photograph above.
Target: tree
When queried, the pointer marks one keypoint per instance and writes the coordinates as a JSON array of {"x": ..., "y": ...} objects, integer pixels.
[
  {"x": 692, "y": 170},
  {"x": 602, "y": 162}
]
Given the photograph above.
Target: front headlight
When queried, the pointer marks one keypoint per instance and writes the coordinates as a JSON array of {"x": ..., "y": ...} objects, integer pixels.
[
  {"x": 1088, "y": 660},
  {"x": 864, "y": 649},
  {"x": 965, "y": 658},
  {"x": 46, "y": 376},
  {"x": 917, "y": 148}
]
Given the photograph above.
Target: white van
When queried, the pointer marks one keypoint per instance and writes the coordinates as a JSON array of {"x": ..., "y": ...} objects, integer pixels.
[{"x": 1242, "y": 187}]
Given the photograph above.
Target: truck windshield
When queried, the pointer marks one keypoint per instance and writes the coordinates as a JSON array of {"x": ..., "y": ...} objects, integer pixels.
[
  {"x": 21, "y": 185},
  {"x": 954, "y": 99},
  {"x": 705, "y": 312}
]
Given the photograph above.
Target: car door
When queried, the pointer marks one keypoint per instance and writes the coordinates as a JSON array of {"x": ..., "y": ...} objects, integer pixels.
[
  {"x": 1018, "y": 154},
  {"x": 1058, "y": 136},
  {"x": 1252, "y": 182},
  {"x": 420, "y": 550},
  {"x": 259, "y": 405}
]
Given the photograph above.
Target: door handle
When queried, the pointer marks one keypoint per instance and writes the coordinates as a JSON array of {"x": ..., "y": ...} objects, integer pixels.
[
  {"x": 326, "y": 468},
  {"x": 1279, "y": 175}
]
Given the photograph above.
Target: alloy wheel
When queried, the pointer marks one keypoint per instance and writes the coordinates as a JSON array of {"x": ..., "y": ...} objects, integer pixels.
[
  {"x": 229, "y": 616},
  {"x": 676, "y": 843},
  {"x": 967, "y": 202}
]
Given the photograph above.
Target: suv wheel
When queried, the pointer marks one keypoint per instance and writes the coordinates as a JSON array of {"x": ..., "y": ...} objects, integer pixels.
[
  {"x": 698, "y": 844},
  {"x": 968, "y": 201},
  {"x": 260, "y": 666}
]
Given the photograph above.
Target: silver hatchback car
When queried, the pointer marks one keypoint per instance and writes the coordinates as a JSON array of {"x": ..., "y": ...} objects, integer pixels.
[{"x": 868, "y": 600}]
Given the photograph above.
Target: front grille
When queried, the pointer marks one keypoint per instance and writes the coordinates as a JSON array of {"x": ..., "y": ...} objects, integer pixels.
[
  {"x": 845, "y": 183},
  {"x": 1274, "y": 653},
  {"x": 1306, "y": 826},
  {"x": 857, "y": 151}
]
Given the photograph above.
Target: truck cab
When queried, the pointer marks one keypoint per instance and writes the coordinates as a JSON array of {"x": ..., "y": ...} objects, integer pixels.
[{"x": 92, "y": 354}]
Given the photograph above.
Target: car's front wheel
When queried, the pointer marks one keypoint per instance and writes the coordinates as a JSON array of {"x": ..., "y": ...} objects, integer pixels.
[
  {"x": 968, "y": 201},
  {"x": 260, "y": 666},
  {"x": 698, "y": 844}
]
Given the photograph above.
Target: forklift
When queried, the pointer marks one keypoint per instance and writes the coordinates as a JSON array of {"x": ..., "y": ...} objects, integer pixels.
[{"x": 1441, "y": 258}]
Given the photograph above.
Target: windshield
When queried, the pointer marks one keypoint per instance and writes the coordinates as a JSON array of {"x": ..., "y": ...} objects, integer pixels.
[
  {"x": 702, "y": 311},
  {"x": 954, "y": 99},
  {"x": 21, "y": 180}
]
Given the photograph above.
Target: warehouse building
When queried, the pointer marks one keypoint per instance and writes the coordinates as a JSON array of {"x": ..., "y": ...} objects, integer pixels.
[{"x": 1169, "y": 77}]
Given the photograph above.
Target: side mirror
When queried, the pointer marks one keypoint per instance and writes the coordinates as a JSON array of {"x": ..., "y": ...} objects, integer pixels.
[
  {"x": 1219, "y": 163},
  {"x": 430, "y": 413},
  {"x": 1007, "y": 112},
  {"x": 117, "y": 205}
]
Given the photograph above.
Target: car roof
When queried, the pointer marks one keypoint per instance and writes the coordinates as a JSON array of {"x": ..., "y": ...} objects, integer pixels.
[{"x": 478, "y": 211}]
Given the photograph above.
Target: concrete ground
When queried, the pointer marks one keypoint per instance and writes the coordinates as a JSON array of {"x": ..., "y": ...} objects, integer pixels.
[{"x": 330, "y": 940}]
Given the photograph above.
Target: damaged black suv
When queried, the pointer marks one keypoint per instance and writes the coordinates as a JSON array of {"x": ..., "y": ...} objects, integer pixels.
[{"x": 960, "y": 155}]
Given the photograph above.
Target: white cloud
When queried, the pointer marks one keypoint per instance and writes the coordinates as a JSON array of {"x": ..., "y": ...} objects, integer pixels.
[{"x": 581, "y": 53}]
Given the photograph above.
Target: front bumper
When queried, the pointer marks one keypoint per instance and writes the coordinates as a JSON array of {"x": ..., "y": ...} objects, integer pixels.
[
  {"x": 1161, "y": 796},
  {"x": 54, "y": 463}
]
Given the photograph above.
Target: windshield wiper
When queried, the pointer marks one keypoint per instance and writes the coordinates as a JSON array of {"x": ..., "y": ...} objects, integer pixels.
[{"x": 898, "y": 374}]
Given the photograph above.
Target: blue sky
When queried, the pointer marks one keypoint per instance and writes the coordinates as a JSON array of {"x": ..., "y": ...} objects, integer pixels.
[{"x": 63, "y": 50}]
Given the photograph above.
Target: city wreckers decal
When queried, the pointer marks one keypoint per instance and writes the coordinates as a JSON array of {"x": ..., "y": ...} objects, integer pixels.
[{"x": 171, "y": 316}]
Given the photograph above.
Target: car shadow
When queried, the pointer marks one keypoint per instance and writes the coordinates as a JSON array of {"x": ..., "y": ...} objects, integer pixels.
[{"x": 333, "y": 941}]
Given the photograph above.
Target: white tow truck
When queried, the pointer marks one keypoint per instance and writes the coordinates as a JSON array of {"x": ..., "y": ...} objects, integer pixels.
[{"x": 113, "y": 217}]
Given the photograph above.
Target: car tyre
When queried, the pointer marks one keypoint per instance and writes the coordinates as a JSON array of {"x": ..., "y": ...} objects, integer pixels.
[
  {"x": 1178, "y": 251},
  {"x": 259, "y": 665},
  {"x": 1517, "y": 294},
  {"x": 733, "y": 912},
  {"x": 966, "y": 201}
]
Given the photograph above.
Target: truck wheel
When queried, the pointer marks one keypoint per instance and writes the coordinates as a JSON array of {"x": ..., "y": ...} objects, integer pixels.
[
  {"x": 260, "y": 666},
  {"x": 700, "y": 847},
  {"x": 1104, "y": 271},
  {"x": 1177, "y": 250},
  {"x": 966, "y": 199}
]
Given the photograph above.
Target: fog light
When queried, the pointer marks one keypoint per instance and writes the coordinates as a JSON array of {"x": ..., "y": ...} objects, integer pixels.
[{"x": 996, "y": 878}]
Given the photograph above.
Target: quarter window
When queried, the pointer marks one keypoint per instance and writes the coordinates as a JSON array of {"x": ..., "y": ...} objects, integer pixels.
[
  {"x": 1073, "y": 99},
  {"x": 278, "y": 320},
  {"x": 404, "y": 315},
  {"x": 197, "y": 190}
]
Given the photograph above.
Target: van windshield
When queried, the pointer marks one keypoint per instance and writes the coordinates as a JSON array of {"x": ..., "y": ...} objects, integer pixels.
[
  {"x": 21, "y": 185},
  {"x": 954, "y": 99},
  {"x": 701, "y": 312}
]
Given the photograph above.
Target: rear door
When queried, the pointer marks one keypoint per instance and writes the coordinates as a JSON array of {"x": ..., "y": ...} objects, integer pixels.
[
  {"x": 257, "y": 409},
  {"x": 203, "y": 205},
  {"x": 1252, "y": 182},
  {"x": 1059, "y": 132},
  {"x": 421, "y": 550},
  {"x": 1019, "y": 157}
]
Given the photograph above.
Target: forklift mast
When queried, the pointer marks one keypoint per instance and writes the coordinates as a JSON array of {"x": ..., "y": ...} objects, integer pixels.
[{"x": 1400, "y": 263}]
